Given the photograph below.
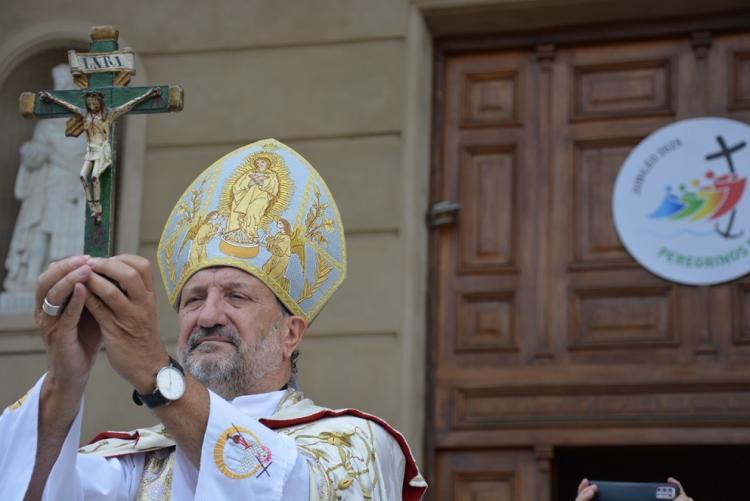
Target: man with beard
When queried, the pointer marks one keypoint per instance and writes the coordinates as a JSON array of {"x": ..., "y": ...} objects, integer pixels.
[{"x": 233, "y": 424}]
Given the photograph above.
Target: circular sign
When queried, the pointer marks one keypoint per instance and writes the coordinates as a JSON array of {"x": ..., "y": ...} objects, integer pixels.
[{"x": 681, "y": 205}]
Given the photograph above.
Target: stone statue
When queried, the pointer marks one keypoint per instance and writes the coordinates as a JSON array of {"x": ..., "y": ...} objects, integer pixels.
[{"x": 50, "y": 224}]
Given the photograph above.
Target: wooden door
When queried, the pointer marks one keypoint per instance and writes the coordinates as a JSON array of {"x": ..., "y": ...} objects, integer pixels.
[{"x": 544, "y": 331}]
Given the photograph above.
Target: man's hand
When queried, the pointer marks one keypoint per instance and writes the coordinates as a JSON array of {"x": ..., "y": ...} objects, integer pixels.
[
  {"x": 126, "y": 312},
  {"x": 72, "y": 338},
  {"x": 586, "y": 491}
]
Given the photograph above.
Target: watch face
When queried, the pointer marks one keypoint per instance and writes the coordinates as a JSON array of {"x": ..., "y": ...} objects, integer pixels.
[{"x": 171, "y": 383}]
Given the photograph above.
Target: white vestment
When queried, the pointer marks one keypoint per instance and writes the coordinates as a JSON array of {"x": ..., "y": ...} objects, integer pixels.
[{"x": 301, "y": 452}]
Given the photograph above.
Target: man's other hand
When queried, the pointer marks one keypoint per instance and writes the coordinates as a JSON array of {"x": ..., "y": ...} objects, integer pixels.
[
  {"x": 72, "y": 338},
  {"x": 122, "y": 300}
]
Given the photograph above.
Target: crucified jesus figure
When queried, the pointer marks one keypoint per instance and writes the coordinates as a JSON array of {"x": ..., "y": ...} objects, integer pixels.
[{"x": 97, "y": 120}]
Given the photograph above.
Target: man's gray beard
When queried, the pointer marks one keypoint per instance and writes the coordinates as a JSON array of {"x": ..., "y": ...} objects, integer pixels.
[{"x": 236, "y": 374}]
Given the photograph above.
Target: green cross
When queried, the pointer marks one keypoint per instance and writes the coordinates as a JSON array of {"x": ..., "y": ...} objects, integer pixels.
[{"x": 104, "y": 71}]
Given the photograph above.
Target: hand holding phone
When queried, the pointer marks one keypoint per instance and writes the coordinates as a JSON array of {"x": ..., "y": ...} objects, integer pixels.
[
  {"x": 597, "y": 490},
  {"x": 635, "y": 491}
]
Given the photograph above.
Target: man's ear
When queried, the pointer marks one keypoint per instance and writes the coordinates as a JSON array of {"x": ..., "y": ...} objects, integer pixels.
[{"x": 295, "y": 330}]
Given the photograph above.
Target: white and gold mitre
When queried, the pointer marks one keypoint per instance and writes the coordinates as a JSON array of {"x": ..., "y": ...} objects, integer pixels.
[{"x": 265, "y": 210}]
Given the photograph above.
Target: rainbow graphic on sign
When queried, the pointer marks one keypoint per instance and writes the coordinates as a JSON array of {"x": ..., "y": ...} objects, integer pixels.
[{"x": 703, "y": 202}]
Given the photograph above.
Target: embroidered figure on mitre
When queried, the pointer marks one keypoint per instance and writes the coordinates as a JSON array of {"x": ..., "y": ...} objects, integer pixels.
[
  {"x": 280, "y": 247},
  {"x": 203, "y": 230},
  {"x": 257, "y": 193}
]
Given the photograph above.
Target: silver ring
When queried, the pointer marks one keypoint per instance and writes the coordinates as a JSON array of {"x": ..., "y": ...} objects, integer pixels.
[{"x": 50, "y": 309}]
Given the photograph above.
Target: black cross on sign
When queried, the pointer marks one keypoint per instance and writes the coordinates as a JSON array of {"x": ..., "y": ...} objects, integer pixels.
[{"x": 726, "y": 152}]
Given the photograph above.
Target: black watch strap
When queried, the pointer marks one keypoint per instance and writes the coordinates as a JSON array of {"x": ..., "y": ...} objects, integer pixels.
[{"x": 156, "y": 398}]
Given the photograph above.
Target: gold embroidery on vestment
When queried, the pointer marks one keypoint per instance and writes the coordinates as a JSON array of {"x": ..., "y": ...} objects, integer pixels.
[
  {"x": 338, "y": 466},
  {"x": 158, "y": 470}
]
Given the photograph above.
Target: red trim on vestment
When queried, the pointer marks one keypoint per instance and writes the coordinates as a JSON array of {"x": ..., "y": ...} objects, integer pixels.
[
  {"x": 123, "y": 436},
  {"x": 115, "y": 434},
  {"x": 408, "y": 492}
]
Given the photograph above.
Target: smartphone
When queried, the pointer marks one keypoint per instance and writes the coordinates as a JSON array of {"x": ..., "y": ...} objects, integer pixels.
[{"x": 635, "y": 491}]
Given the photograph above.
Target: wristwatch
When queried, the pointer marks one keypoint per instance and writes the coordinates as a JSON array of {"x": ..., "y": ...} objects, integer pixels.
[{"x": 170, "y": 386}]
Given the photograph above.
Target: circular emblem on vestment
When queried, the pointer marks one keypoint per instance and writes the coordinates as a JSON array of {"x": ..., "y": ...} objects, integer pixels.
[{"x": 239, "y": 454}]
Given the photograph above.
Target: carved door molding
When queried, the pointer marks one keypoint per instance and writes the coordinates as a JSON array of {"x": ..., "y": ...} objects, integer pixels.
[{"x": 543, "y": 330}]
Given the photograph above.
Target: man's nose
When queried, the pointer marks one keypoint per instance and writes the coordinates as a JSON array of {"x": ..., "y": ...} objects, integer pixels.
[{"x": 212, "y": 312}]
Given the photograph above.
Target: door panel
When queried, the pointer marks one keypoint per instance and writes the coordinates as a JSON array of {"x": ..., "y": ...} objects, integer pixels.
[
  {"x": 488, "y": 476},
  {"x": 546, "y": 331}
]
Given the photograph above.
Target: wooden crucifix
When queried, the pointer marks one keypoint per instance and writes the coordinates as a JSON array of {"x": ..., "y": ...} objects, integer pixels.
[{"x": 103, "y": 74}]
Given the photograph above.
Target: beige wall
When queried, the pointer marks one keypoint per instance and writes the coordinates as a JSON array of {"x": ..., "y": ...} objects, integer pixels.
[{"x": 330, "y": 79}]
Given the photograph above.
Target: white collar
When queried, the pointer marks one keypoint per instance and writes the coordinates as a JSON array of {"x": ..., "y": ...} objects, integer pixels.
[{"x": 260, "y": 405}]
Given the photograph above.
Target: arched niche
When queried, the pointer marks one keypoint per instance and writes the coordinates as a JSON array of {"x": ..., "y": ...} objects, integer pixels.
[{"x": 26, "y": 61}]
